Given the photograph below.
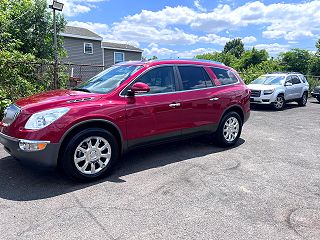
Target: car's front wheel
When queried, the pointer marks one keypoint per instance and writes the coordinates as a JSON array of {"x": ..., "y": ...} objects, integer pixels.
[
  {"x": 304, "y": 99},
  {"x": 229, "y": 129},
  {"x": 90, "y": 154},
  {"x": 279, "y": 103}
]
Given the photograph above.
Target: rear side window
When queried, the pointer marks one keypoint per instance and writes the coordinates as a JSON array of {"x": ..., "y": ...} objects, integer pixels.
[
  {"x": 303, "y": 78},
  {"x": 295, "y": 79},
  {"x": 160, "y": 80},
  {"x": 224, "y": 76},
  {"x": 194, "y": 77}
]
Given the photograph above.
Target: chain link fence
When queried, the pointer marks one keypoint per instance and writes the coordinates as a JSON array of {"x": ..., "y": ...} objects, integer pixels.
[{"x": 71, "y": 75}]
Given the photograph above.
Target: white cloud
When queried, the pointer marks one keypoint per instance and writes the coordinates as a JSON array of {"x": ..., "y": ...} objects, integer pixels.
[
  {"x": 75, "y": 7},
  {"x": 154, "y": 50},
  {"x": 214, "y": 38},
  {"x": 198, "y": 5},
  {"x": 274, "y": 48},
  {"x": 194, "y": 52},
  {"x": 250, "y": 39},
  {"x": 281, "y": 19},
  {"x": 95, "y": 27}
]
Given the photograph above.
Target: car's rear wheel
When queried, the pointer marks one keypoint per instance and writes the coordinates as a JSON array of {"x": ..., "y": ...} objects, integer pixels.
[
  {"x": 304, "y": 99},
  {"x": 279, "y": 103},
  {"x": 229, "y": 129},
  {"x": 90, "y": 154}
]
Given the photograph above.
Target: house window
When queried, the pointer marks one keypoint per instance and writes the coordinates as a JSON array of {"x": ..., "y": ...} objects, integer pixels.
[
  {"x": 118, "y": 57},
  {"x": 88, "y": 48}
]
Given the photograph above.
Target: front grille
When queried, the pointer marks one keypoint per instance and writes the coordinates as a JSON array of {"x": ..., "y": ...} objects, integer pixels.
[
  {"x": 10, "y": 114},
  {"x": 255, "y": 93}
]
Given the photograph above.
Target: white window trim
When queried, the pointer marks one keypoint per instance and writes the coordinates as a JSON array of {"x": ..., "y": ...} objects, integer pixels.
[
  {"x": 114, "y": 56},
  {"x": 84, "y": 47}
]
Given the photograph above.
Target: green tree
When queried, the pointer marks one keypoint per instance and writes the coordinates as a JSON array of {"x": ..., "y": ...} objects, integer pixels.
[
  {"x": 234, "y": 47},
  {"x": 296, "y": 60},
  {"x": 254, "y": 71},
  {"x": 25, "y": 36},
  {"x": 226, "y": 58},
  {"x": 28, "y": 23},
  {"x": 253, "y": 57}
]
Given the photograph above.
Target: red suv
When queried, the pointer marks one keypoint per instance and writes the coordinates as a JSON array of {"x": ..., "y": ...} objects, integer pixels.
[{"x": 85, "y": 130}]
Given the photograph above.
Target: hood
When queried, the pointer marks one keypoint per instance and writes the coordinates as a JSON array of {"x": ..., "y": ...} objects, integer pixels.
[
  {"x": 55, "y": 98},
  {"x": 260, "y": 87}
]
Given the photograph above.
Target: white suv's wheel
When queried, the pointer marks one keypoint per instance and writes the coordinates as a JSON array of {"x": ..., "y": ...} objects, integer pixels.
[
  {"x": 279, "y": 103},
  {"x": 304, "y": 99}
]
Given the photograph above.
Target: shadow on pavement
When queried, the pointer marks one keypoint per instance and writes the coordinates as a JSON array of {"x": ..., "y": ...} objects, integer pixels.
[{"x": 20, "y": 183}]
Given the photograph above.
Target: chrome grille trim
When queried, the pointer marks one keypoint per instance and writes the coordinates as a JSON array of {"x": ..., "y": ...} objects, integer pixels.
[
  {"x": 14, "y": 113},
  {"x": 255, "y": 93}
]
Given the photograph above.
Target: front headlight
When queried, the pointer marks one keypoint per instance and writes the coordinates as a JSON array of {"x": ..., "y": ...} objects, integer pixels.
[
  {"x": 266, "y": 92},
  {"x": 42, "y": 119}
]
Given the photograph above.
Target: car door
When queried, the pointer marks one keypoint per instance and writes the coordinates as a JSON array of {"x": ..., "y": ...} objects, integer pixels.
[
  {"x": 154, "y": 116},
  {"x": 297, "y": 86},
  {"x": 199, "y": 103},
  {"x": 289, "y": 90}
]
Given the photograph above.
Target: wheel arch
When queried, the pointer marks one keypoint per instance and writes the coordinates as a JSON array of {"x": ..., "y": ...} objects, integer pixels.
[
  {"x": 93, "y": 123},
  {"x": 234, "y": 108}
]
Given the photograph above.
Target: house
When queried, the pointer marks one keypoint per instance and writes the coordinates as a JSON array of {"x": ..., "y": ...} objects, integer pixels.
[{"x": 89, "y": 55}]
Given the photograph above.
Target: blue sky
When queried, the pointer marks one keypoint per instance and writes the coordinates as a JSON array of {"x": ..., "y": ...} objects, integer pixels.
[{"x": 179, "y": 28}]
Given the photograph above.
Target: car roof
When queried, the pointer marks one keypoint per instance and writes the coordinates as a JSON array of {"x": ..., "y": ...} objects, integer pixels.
[{"x": 176, "y": 61}]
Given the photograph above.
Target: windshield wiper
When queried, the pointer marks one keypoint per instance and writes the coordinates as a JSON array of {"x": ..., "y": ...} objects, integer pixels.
[{"x": 81, "y": 89}]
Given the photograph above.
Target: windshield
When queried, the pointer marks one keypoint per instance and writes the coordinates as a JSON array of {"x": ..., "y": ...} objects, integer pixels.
[
  {"x": 269, "y": 80},
  {"x": 109, "y": 79}
]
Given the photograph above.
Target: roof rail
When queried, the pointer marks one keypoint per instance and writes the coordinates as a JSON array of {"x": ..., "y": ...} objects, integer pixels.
[{"x": 188, "y": 59}]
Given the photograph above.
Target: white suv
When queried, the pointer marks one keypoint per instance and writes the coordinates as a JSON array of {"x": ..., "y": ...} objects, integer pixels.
[{"x": 278, "y": 88}]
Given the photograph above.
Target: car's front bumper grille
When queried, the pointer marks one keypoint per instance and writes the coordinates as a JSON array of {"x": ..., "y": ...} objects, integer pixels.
[{"x": 255, "y": 93}]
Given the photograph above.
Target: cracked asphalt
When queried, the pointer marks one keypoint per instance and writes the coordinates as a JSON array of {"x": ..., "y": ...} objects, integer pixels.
[{"x": 267, "y": 187}]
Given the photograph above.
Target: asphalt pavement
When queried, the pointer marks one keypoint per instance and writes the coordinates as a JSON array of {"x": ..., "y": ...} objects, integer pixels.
[{"x": 267, "y": 187}]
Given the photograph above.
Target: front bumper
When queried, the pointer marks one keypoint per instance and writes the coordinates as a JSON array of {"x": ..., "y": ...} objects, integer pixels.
[
  {"x": 315, "y": 95},
  {"x": 263, "y": 99},
  {"x": 47, "y": 157}
]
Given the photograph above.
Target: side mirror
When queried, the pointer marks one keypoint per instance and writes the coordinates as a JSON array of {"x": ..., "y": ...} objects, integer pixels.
[
  {"x": 288, "y": 84},
  {"x": 138, "y": 88}
]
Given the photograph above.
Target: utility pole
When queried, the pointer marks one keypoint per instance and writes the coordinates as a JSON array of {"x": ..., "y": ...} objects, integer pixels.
[{"x": 56, "y": 6}]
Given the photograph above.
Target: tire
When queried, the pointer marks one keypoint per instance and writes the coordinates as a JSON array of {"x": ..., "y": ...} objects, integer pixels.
[
  {"x": 99, "y": 157},
  {"x": 279, "y": 103},
  {"x": 318, "y": 98},
  {"x": 222, "y": 136},
  {"x": 304, "y": 99}
]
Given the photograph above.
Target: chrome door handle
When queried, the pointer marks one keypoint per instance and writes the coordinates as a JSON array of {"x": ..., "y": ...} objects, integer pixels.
[
  {"x": 214, "y": 99},
  {"x": 173, "y": 105}
]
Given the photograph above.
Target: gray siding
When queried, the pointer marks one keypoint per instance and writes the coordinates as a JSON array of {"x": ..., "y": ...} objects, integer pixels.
[
  {"x": 128, "y": 56},
  {"x": 74, "y": 48}
]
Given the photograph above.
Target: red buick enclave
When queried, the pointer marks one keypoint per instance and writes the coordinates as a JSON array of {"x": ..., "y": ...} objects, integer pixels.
[{"x": 85, "y": 130}]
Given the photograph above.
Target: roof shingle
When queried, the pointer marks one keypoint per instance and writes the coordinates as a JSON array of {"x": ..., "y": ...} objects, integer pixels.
[
  {"x": 78, "y": 31},
  {"x": 120, "y": 46}
]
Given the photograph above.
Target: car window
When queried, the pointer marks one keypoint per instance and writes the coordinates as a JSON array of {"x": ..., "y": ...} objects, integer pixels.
[
  {"x": 160, "y": 80},
  {"x": 194, "y": 77},
  {"x": 295, "y": 79},
  {"x": 224, "y": 76},
  {"x": 303, "y": 78}
]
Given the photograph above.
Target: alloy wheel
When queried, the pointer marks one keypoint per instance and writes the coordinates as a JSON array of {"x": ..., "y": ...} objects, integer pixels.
[
  {"x": 231, "y": 129},
  {"x": 279, "y": 102},
  {"x": 92, "y": 155}
]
